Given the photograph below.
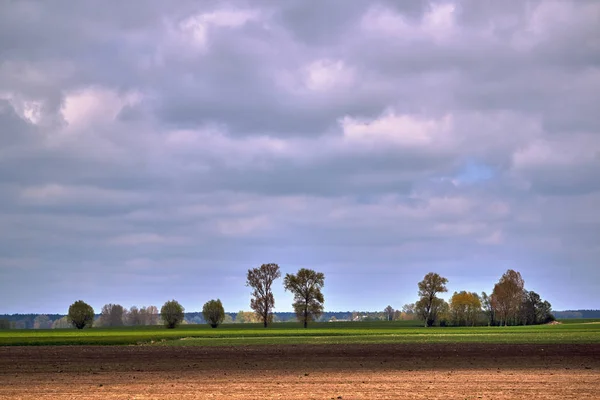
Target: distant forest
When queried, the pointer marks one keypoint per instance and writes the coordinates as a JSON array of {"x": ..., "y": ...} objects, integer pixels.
[
  {"x": 32, "y": 321},
  {"x": 567, "y": 314}
]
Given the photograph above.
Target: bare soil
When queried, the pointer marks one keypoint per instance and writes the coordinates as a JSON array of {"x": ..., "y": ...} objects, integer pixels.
[{"x": 403, "y": 371}]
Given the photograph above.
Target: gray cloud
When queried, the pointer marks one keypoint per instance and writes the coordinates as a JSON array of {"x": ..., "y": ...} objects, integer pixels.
[{"x": 160, "y": 151}]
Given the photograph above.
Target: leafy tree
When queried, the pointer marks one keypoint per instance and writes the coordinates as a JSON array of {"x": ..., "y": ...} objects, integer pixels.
[
  {"x": 81, "y": 314},
  {"x": 389, "y": 313},
  {"x": 308, "y": 299},
  {"x": 245, "y": 317},
  {"x": 443, "y": 313},
  {"x": 172, "y": 314},
  {"x": 534, "y": 310},
  {"x": 428, "y": 304},
  {"x": 112, "y": 315},
  {"x": 465, "y": 308},
  {"x": 507, "y": 297},
  {"x": 430, "y": 312},
  {"x": 213, "y": 312},
  {"x": 4, "y": 324},
  {"x": 261, "y": 280}
]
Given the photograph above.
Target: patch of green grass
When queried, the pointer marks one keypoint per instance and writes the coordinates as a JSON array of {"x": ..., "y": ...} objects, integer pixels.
[{"x": 293, "y": 333}]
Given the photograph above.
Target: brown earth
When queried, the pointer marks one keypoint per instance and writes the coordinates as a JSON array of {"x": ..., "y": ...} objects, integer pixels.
[{"x": 433, "y": 371}]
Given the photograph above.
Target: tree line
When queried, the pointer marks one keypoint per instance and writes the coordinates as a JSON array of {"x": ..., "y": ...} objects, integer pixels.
[
  {"x": 305, "y": 285},
  {"x": 509, "y": 304}
]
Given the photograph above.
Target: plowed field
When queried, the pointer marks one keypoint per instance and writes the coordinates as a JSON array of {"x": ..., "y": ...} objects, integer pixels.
[{"x": 390, "y": 371}]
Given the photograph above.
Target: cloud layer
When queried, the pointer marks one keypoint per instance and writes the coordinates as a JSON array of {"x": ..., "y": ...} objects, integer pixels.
[{"x": 159, "y": 151}]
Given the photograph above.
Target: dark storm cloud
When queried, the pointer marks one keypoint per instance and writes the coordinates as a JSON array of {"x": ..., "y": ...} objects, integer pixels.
[{"x": 161, "y": 150}]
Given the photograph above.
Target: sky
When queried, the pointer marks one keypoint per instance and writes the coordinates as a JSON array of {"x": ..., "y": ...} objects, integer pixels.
[{"x": 158, "y": 150}]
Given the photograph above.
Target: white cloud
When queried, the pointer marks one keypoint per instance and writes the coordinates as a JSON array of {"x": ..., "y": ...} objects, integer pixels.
[
  {"x": 196, "y": 28},
  {"x": 325, "y": 75},
  {"x": 397, "y": 129},
  {"x": 94, "y": 105}
]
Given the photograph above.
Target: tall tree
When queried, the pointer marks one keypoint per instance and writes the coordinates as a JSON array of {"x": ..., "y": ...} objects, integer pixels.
[
  {"x": 308, "y": 298},
  {"x": 507, "y": 297},
  {"x": 488, "y": 308},
  {"x": 534, "y": 310},
  {"x": 429, "y": 287},
  {"x": 389, "y": 313},
  {"x": 81, "y": 314},
  {"x": 430, "y": 312},
  {"x": 261, "y": 280}
]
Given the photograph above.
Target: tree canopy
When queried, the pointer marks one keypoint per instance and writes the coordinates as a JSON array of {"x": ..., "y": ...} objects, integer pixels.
[
  {"x": 213, "y": 312},
  {"x": 306, "y": 286},
  {"x": 172, "y": 314},
  {"x": 429, "y": 305},
  {"x": 81, "y": 314},
  {"x": 261, "y": 281}
]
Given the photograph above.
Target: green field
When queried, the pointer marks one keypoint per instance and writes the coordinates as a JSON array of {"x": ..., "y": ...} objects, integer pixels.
[{"x": 581, "y": 331}]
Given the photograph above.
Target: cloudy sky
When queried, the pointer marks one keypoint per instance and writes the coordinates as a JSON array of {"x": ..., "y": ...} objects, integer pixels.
[{"x": 156, "y": 150}]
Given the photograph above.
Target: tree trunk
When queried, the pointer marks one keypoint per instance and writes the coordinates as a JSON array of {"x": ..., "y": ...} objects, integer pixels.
[{"x": 306, "y": 316}]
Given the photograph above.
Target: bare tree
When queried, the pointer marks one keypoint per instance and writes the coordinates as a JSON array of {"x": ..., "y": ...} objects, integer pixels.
[
  {"x": 429, "y": 287},
  {"x": 408, "y": 308},
  {"x": 42, "y": 322},
  {"x": 133, "y": 316},
  {"x": 112, "y": 315},
  {"x": 261, "y": 280},
  {"x": 308, "y": 299},
  {"x": 153, "y": 316}
]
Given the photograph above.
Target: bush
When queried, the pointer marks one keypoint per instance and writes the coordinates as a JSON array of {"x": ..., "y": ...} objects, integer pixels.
[
  {"x": 171, "y": 314},
  {"x": 81, "y": 314},
  {"x": 213, "y": 312}
]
